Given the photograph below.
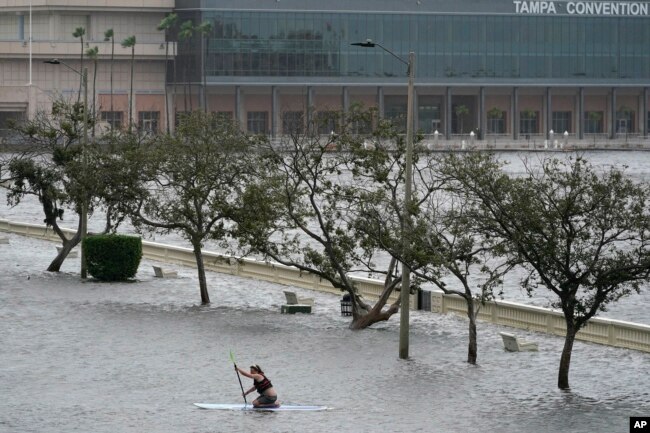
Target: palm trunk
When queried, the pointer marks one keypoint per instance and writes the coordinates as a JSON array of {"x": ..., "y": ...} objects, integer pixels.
[
  {"x": 175, "y": 88},
  {"x": 81, "y": 68},
  {"x": 112, "y": 57},
  {"x": 200, "y": 267},
  {"x": 131, "y": 91},
  {"x": 94, "y": 94}
]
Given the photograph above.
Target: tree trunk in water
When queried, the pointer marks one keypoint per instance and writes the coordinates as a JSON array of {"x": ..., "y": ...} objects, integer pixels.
[
  {"x": 51, "y": 214},
  {"x": 55, "y": 265},
  {"x": 565, "y": 359},
  {"x": 369, "y": 316},
  {"x": 203, "y": 285},
  {"x": 472, "y": 349}
]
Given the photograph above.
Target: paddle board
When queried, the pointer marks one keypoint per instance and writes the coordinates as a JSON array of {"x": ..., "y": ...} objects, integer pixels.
[{"x": 241, "y": 406}]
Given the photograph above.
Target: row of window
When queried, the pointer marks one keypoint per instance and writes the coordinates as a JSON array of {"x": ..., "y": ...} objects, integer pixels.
[
  {"x": 148, "y": 121},
  {"x": 327, "y": 122},
  {"x": 561, "y": 121},
  {"x": 513, "y": 46}
]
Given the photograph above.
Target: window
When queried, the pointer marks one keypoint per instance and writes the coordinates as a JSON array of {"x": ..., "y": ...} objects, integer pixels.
[
  {"x": 180, "y": 116},
  {"x": 8, "y": 116},
  {"x": 225, "y": 115},
  {"x": 257, "y": 122},
  {"x": 293, "y": 122},
  {"x": 395, "y": 111},
  {"x": 327, "y": 122},
  {"x": 528, "y": 122},
  {"x": 496, "y": 122},
  {"x": 561, "y": 122},
  {"x": 148, "y": 121},
  {"x": 428, "y": 117},
  {"x": 625, "y": 120},
  {"x": 593, "y": 122},
  {"x": 113, "y": 118}
]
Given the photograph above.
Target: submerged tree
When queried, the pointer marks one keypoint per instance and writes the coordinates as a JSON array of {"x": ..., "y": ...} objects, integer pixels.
[
  {"x": 443, "y": 239},
  {"x": 196, "y": 176},
  {"x": 302, "y": 213},
  {"x": 582, "y": 233},
  {"x": 50, "y": 168}
]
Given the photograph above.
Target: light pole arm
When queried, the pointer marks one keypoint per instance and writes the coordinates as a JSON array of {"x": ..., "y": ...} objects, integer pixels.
[{"x": 407, "y": 63}]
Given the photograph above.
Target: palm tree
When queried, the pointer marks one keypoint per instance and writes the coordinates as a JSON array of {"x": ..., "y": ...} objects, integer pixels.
[
  {"x": 187, "y": 30},
  {"x": 79, "y": 32},
  {"x": 165, "y": 25},
  {"x": 130, "y": 43},
  {"x": 92, "y": 54},
  {"x": 205, "y": 29},
  {"x": 461, "y": 112},
  {"x": 109, "y": 35}
]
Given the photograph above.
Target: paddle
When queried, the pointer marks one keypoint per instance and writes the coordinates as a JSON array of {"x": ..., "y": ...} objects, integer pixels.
[{"x": 232, "y": 358}]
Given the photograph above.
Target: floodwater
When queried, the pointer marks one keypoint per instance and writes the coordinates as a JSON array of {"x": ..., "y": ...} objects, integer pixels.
[
  {"x": 631, "y": 308},
  {"x": 132, "y": 357}
]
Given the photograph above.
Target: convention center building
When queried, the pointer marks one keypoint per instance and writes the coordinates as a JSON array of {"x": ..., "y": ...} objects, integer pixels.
[{"x": 498, "y": 69}]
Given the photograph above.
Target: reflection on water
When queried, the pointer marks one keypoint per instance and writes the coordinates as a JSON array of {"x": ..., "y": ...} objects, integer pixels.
[{"x": 92, "y": 357}]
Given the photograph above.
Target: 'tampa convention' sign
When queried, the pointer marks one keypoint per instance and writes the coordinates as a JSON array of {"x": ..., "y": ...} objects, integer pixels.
[{"x": 581, "y": 8}]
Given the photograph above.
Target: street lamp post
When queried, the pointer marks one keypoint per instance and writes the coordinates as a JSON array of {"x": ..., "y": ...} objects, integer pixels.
[
  {"x": 83, "y": 226},
  {"x": 408, "y": 181}
]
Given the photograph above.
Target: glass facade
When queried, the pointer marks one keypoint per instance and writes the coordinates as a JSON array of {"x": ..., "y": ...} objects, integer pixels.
[{"x": 317, "y": 44}]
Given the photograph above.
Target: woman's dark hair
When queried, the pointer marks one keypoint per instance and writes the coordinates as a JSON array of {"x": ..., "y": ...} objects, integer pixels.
[{"x": 257, "y": 368}]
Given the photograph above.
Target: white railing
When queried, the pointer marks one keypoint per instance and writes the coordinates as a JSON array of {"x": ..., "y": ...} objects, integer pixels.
[{"x": 603, "y": 331}]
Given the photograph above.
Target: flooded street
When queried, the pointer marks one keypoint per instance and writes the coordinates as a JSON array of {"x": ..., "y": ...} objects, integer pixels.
[{"x": 133, "y": 357}]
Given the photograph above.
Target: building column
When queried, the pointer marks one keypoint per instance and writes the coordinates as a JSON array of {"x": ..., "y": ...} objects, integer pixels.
[
  {"x": 238, "y": 106},
  {"x": 580, "y": 122},
  {"x": 482, "y": 119},
  {"x": 612, "y": 123},
  {"x": 448, "y": 113},
  {"x": 514, "y": 116},
  {"x": 548, "y": 117},
  {"x": 274, "y": 112},
  {"x": 644, "y": 107},
  {"x": 345, "y": 100},
  {"x": 380, "y": 102},
  {"x": 310, "y": 105}
]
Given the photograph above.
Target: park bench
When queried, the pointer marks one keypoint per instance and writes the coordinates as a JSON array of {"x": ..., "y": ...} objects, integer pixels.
[
  {"x": 512, "y": 344},
  {"x": 295, "y": 304},
  {"x": 164, "y": 273}
]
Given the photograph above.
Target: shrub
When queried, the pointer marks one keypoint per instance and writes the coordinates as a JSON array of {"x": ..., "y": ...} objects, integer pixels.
[{"x": 112, "y": 257}]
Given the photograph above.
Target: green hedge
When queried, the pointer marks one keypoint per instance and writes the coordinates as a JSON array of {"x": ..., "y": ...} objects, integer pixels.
[{"x": 112, "y": 257}]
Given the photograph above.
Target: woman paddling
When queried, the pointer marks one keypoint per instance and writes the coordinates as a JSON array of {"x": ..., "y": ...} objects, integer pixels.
[{"x": 268, "y": 397}]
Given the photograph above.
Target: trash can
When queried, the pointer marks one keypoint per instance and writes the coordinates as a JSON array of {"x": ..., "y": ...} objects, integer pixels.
[{"x": 346, "y": 305}]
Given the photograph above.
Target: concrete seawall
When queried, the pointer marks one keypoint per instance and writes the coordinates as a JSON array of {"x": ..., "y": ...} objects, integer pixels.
[{"x": 615, "y": 333}]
